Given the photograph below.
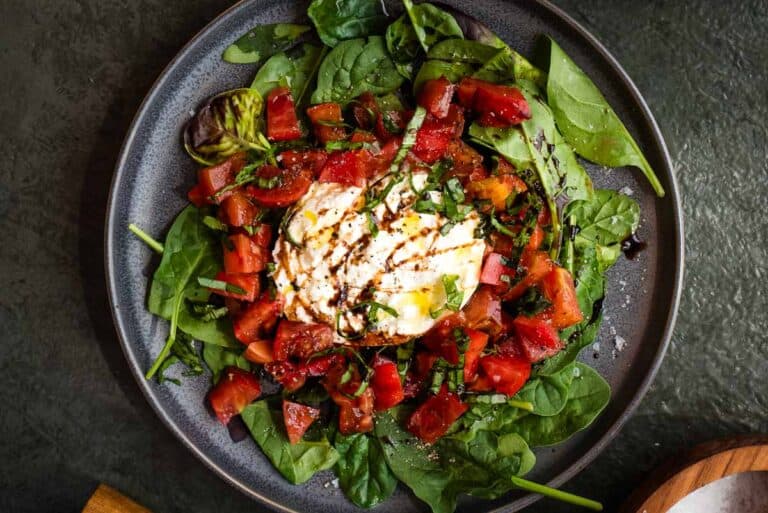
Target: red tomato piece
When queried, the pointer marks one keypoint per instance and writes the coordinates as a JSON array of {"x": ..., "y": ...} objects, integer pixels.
[
  {"x": 342, "y": 167},
  {"x": 321, "y": 365},
  {"x": 288, "y": 374},
  {"x": 436, "y": 95},
  {"x": 257, "y": 320},
  {"x": 298, "y": 418},
  {"x": 432, "y": 140},
  {"x": 250, "y": 283},
  {"x": 289, "y": 185},
  {"x": 235, "y": 390},
  {"x": 537, "y": 237},
  {"x": 507, "y": 374},
  {"x": 313, "y": 159},
  {"x": 483, "y": 311},
  {"x": 501, "y": 106},
  {"x": 477, "y": 342},
  {"x": 391, "y": 123},
  {"x": 466, "y": 90},
  {"x": 416, "y": 377},
  {"x": 537, "y": 337},
  {"x": 262, "y": 235},
  {"x": 494, "y": 268},
  {"x": 242, "y": 255},
  {"x": 365, "y": 110},
  {"x": 434, "y": 417},
  {"x": 440, "y": 340},
  {"x": 300, "y": 339},
  {"x": 327, "y": 122},
  {"x": 559, "y": 289},
  {"x": 467, "y": 162},
  {"x": 282, "y": 123},
  {"x": 259, "y": 351},
  {"x": 497, "y": 189},
  {"x": 537, "y": 265},
  {"x": 213, "y": 178},
  {"x": 197, "y": 197},
  {"x": 361, "y": 136},
  {"x": 237, "y": 210},
  {"x": 355, "y": 412},
  {"x": 387, "y": 388}
]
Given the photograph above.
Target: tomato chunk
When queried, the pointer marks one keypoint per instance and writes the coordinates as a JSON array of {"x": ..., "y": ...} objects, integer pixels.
[
  {"x": 298, "y": 418},
  {"x": 432, "y": 140},
  {"x": 327, "y": 122},
  {"x": 559, "y": 289},
  {"x": 387, "y": 388},
  {"x": 497, "y": 189},
  {"x": 214, "y": 178},
  {"x": 279, "y": 188},
  {"x": 259, "y": 351},
  {"x": 494, "y": 269},
  {"x": 300, "y": 339},
  {"x": 501, "y": 106},
  {"x": 537, "y": 264},
  {"x": 355, "y": 402},
  {"x": 235, "y": 390},
  {"x": 483, "y": 311},
  {"x": 477, "y": 342},
  {"x": 242, "y": 255},
  {"x": 465, "y": 92},
  {"x": 507, "y": 374},
  {"x": 237, "y": 210},
  {"x": 440, "y": 339},
  {"x": 538, "y": 339},
  {"x": 197, "y": 197},
  {"x": 391, "y": 123},
  {"x": 343, "y": 167},
  {"x": 248, "y": 282},
  {"x": 288, "y": 374},
  {"x": 365, "y": 110},
  {"x": 313, "y": 159},
  {"x": 257, "y": 320},
  {"x": 436, "y": 95},
  {"x": 282, "y": 123},
  {"x": 434, "y": 417},
  {"x": 320, "y": 365}
]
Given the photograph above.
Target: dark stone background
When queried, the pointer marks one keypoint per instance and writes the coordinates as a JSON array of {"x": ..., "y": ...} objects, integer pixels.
[{"x": 72, "y": 74}]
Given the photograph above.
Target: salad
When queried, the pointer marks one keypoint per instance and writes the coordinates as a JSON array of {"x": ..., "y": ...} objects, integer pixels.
[{"x": 392, "y": 255}]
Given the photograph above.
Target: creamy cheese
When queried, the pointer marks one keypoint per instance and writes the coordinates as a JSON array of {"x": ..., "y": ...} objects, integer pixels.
[{"x": 327, "y": 260}]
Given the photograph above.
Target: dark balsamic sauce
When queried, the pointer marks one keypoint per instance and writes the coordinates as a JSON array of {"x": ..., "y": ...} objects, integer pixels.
[{"x": 632, "y": 246}]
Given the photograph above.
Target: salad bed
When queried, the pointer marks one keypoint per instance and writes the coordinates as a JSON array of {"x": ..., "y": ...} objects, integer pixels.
[{"x": 457, "y": 410}]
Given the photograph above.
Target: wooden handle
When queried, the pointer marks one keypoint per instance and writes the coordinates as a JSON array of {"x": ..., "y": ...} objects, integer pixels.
[{"x": 108, "y": 500}]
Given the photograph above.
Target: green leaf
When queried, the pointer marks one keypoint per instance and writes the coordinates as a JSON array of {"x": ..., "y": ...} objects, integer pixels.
[
  {"x": 354, "y": 67},
  {"x": 582, "y": 337},
  {"x": 362, "y": 470},
  {"x": 548, "y": 393},
  {"x": 432, "y": 69},
  {"x": 295, "y": 69},
  {"x": 228, "y": 123},
  {"x": 296, "y": 462},
  {"x": 462, "y": 50},
  {"x": 218, "y": 358},
  {"x": 588, "y": 122},
  {"x": 262, "y": 42},
  {"x": 508, "y": 66},
  {"x": 340, "y": 20}
]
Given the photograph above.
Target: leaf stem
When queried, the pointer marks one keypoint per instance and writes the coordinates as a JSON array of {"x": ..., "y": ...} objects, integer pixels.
[
  {"x": 149, "y": 241},
  {"x": 556, "y": 494},
  {"x": 522, "y": 405},
  {"x": 169, "y": 342}
]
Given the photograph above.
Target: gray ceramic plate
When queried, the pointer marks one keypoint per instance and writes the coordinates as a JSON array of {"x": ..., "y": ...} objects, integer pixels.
[{"x": 154, "y": 173}]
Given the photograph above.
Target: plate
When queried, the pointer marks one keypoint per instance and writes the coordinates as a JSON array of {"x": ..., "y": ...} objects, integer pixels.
[{"x": 149, "y": 189}]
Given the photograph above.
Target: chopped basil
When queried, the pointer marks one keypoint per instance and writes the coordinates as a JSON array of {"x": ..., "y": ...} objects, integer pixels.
[
  {"x": 214, "y": 224},
  {"x": 219, "y": 285},
  {"x": 208, "y": 312},
  {"x": 453, "y": 294}
]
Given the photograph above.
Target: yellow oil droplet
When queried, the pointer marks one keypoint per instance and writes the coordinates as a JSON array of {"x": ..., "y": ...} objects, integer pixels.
[
  {"x": 421, "y": 299},
  {"x": 411, "y": 224},
  {"x": 323, "y": 238},
  {"x": 311, "y": 216}
]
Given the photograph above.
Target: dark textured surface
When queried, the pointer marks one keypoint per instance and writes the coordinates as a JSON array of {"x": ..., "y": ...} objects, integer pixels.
[{"x": 74, "y": 74}]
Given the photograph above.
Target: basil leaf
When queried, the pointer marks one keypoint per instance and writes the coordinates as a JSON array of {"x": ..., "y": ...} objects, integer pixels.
[
  {"x": 296, "y": 462},
  {"x": 454, "y": 296},
  {"x": 340, "y": 20},
  {"x": 295, "y": 69},
  {"x": 587, "y": 120},
  {"x": 354, "y": 67},
  {"x": 263, "y": 42},
  {"x": 362, "y": 470},
  {"x": 218, "y": 358}
]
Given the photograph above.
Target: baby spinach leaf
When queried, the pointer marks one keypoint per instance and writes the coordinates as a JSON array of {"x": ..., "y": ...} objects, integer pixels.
[
  {"x": 471, "y": 27},
  {"x": 548, "y": 392},
  {"x": 588, "y": 122},
  {"x": 296, "y": 462},
  {"x": 462, "y": 50},
  {"x": 340, "y": 20},
  {"x": 403, "y": 45},
  {"x": 589, "y": 393},
  {"x": 581, "y": 337},
  {"x": 182, "y": 351},
  {"x": 228, "y": 123},
  {"x": 217, "y": 358},
  {"x": 362, "y": 470},
  {"x": 295, "y": 69},
  {"x": 263, "y": 42},
  {"x": 507, "y": 65},
  {"x": 354, "y": 67}
]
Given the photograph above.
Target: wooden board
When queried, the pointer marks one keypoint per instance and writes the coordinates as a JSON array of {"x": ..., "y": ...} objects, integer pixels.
[
  {"x": 108, "y": 500},
  {"x": 703, "y": 465}
]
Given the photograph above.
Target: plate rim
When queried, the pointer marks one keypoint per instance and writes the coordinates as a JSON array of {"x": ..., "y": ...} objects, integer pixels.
[{"x": 673, "y": 192}]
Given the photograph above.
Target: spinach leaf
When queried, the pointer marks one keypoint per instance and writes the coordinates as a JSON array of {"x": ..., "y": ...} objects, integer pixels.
[
  {"x": 581, "y": 337},
  {"x": 230, "y": 122},
  {"x": 548, "y": 392},
  {"x": 432, "y": 69},
  {"x": 354, "y": 67},
  {"x": 604, "y": 222},
  {"x": 362, "y": 470},
  {"x": 295, "y": 69},
  {"x": 471, "y": 27},
  {"x": 296, "y": 462},
  {"x": 588, "y": 122},
  {"x": 183, "y": 350},
  {"x": 217, "y": 358},
  {"x": 507, "y": 65},
  {"x": 589, "y": 393},
  {"x": 263, "y": 42},
  {"x": 340, "y": 20},
  {"x": 462, "y": 50}
]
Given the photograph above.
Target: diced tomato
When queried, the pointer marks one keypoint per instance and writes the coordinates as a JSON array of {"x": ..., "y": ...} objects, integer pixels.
[
  {"x": 361, "y": 136},
  {"x": 501, "y": 106},
  {"x": 502, "y": 244},
  {"x": 455, "y": 120},
  {"x": 212, "y": 179},
  {"x": 365, "y": 110},
  {"x": 434, "y": 417},
  {"x": 288, "y": 374},
  {"x": 497, "y": 189},
  {"x": 327, "y": 122},
  {"x": 482, "y": 383},
  {"x": 197, "y": 197},
  {"x": 257, "y": 320},
  {"x": 466, "y": 90},
  {"x": 559, "y": 289},
  {"x": 537, "y": 265},
  {"x": 483, "y": 311},
  {"x": 300, "y": 339},
  {"x": 494, "y": 269},
  {"x": 477, "y": 342},
  {"x": 504, "y": 167},
  {"x": 391, "y": 123},
  {"x": 290, "y": 185},
  {"x": 381, "y": 162},
  {"x": 282, "y": 123},
  {"x": 242, "y": 255},
  {"x": 320, "y": 365},
  {"x": 259, "y": 351},
  {"x": 357, "y": 417},
  {"x": 355, "y": 407},
  {"x": 432, "y": 140},
  {"x": 262, "y": 235},
  {"x": 537, "y": 338},
  {"x": 313, "y": 159},
  {"x": 342, "y": 167},
  {"x": 537, "y": 237},
  {"x": 387, "y": 388},
  {"x": 235, "y": 390},
  {"x": 436, "y": 95},
  {"x": 237, "y": 210},
  {"x": 440, "y": 339},
  {"x": 467, "y": 162},
  {"x": 416, "y": 377},
  {"x": 298, "y": 418},
  {"x": 248, "y": 282},
  {"x": 507, "y": 374}
]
